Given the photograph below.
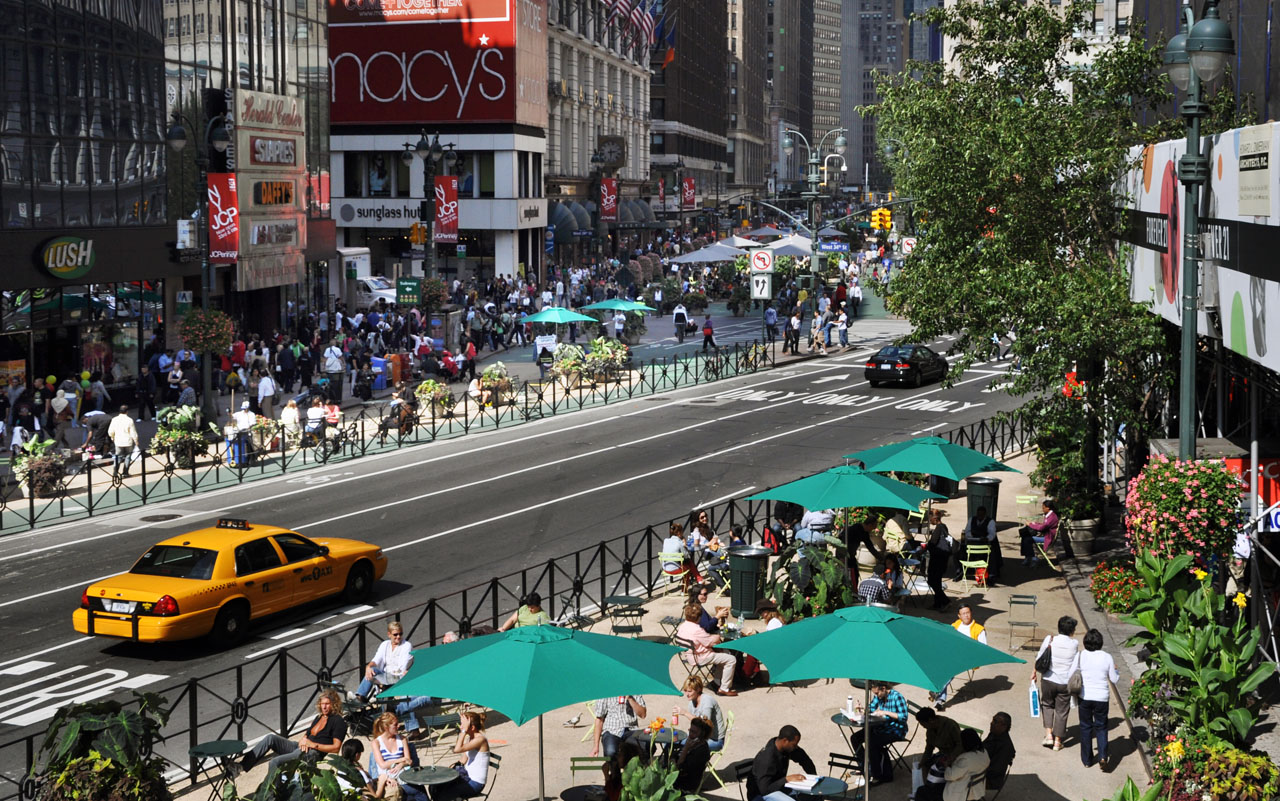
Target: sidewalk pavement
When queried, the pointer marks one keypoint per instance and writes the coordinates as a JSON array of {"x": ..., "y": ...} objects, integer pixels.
[{"x": 1037, "y": 773}]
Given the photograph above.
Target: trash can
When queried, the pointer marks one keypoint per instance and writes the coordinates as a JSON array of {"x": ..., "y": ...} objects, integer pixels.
[
  {"x": 379, "y": 372},
  {"x": 982, "y": 492},
  {"x": 747, "y": 565},
  {"x": 944, "y": 486}
]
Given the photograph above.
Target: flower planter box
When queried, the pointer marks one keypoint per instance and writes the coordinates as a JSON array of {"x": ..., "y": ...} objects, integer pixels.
[{"x": 1083, "y": 534}]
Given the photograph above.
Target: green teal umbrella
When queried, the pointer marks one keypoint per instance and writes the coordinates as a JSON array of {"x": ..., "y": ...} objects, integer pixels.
[
  {"x": 933, "y": 455},
  {"x": 527, "y": 671},
  {"x": 871, "y": 644},
  {"x": 557, "y": 315},
  {"x": 618, "y": 304},
  {"x": 847, "y": 486}
]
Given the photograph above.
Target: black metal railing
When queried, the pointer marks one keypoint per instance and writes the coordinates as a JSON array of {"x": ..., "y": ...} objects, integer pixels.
[
  {"x": 1001, "y": 436},
  {"x": 93, "y": 488},
  {"x": 275, "y": 690}
]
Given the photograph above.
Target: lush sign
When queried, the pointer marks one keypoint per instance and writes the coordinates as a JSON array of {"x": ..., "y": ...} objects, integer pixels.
[{"x": 67, "y": 257}]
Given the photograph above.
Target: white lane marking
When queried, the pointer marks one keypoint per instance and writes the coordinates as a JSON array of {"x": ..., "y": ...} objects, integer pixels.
[
  {"x": 47, "y": 650},
  {"x": 84, "y": 583},
  {"x": 612, "y": 484},
  {"x": 26, "y": 708},
  {"x": 830, "y": 378},
  {"x": 330, "y": 629},
  {"x": 25, "y": 668},
  {"x": 925, "y": 430},
  {"x": 357, "y": 610},
  {"x": 731, "y": 495},
  {"x": 288, "y": 633},
  {"x": 641, "y": 409}
]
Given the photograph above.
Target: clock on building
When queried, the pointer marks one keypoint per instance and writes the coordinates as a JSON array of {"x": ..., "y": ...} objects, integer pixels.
[{"x": 612, "y": 150}]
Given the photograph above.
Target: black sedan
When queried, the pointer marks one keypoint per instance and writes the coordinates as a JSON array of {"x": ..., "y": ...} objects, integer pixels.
[{"x": 913, "y": 364}]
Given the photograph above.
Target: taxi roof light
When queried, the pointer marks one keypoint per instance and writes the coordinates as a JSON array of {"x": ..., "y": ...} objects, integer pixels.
[{"x": 233, "y": 523}]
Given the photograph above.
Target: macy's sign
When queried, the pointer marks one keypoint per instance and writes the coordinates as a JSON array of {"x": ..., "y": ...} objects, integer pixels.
[{"x": 427, "y": 76}]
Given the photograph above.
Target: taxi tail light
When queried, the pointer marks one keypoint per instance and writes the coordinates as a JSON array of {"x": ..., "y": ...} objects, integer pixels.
[
  {"x": 84, "y": 600},
  {"x": 165, "y": 607},
  {"x": 902, "y": 366}
]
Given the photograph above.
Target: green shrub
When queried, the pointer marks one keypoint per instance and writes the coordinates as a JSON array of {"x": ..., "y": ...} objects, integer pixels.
[{"x": 1114, "y": 584}]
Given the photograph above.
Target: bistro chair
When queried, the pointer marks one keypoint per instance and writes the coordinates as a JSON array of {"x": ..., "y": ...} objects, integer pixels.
[
  {"x": 716, "y": 758},
  {"x": 1017, "y": 607},
  {"x": 590, "y": 765},
  {"x": 495, "y": 762},
  {"x": 742, "y": 770},
  {"x": 705, "y": 673},
  {"x": 676, "y": 577},
  {"x": 977, "y": 557}
]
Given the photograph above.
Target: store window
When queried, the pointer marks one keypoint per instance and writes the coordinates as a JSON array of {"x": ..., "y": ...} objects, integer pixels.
[{"x": 485, "y": 168}]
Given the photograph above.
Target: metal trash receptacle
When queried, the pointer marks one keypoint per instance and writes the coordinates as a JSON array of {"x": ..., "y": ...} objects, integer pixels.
[
  {"x": 944, "y": 486},
  {"x": 982, "y": 492},
  {"x": 747, "y": 564}
]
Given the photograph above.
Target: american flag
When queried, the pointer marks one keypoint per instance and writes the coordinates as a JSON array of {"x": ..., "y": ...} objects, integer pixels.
[
  {"x": 621, "y": 8},
  {"x": 642, "y": 21}
]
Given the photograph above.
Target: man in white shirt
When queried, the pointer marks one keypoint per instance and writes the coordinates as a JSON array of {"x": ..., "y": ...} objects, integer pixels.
[
  {"x": 124, "y": 435},
  {"x": 559, "y": 293},
  {"x": 815, "y": 525},
  {"x": 334, "y": 365},
  {"x": 267, "y": 394},
  {"x": 619, "y": 323},
  {"x": 547, "y": 299},
  {"x": 680, "y": 317}
]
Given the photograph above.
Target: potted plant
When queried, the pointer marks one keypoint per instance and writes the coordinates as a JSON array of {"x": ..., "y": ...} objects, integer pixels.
[
  {"x": 41, "y": 468},
  {"x": 1177, "y": 507},
  {"x": 263, "y": 433},
  {"x": 496, "y": 379},
  {"x": 102, "y": 750},
  {"x": 179, "y": 435},
  {"x": 302, "y": 780},
  {"x": 739, "y": 300},
  {"x": 808, "y": 580},
  {"x": 650, "y": 782},
  {"x": 568, "y": 363},
  {"x": 695, "y": 301},
  {"x": 436, "y": 396}
]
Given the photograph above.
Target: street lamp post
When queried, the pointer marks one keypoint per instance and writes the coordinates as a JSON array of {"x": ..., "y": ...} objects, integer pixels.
[
  {"x": 811, "y": 194},
  {"x": 1198, "y": 54},
  {"x": 431, "y": 152},
  {"x": 217, "y": 137}
]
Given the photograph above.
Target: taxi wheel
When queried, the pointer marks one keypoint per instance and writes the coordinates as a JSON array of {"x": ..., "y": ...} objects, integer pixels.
[
  {"x": 232, "y": 624},
  {"x": 359, "y": 583}
]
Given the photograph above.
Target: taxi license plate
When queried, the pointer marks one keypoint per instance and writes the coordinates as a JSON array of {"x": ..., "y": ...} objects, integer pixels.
[
  {"x": 121, "y": 607},
  {"x": 886, "y": 367}
]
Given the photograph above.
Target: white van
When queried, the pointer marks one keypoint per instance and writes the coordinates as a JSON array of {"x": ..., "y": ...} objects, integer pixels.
[{"x": 372, "y": 288}]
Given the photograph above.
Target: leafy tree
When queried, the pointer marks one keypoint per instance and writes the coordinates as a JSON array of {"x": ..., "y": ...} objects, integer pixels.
[{"x": 1013, "y": 155}]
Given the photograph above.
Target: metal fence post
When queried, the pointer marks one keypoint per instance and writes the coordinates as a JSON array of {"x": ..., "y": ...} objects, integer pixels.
[{"x": 193, "y": 736}]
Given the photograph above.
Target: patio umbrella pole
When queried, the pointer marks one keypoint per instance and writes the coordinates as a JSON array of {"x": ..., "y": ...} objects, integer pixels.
[
  {"x": 542, "y": 778},
  {"x": 866, "y": 741}
]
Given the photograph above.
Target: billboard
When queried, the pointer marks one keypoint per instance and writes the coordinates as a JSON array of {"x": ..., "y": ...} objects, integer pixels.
[
  {"x": 688, "y": 194},
  {"x": 438, "y": 60},
  {"x": 270, "y": 157},
  {"x": 224, "y": 219},
  {"x": 609, "y": 199},
  {"x": 1240, "y": 235},
  {"x": 446, "y": 208}
]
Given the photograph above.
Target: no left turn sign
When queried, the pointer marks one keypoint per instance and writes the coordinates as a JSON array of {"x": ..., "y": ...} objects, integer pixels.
[{"x": 762, "y": 261}]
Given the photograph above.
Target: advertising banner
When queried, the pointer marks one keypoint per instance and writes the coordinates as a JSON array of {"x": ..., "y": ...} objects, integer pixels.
[
  {"x": 224, "y": 222},
  {"x": 436, "y": 60},
  {"x": 688, "y": 195},
  {"x": 446, "y": 208},
  {"x": 662, "y": 194},
  {"x": 609, "y": 199}
]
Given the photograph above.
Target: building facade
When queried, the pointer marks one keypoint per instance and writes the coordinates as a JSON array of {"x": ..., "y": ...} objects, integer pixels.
[
  {"x": 598, "y": 127},
  {"x": 89, "y": 91},
  {"x": 747, "y": 162},
  {"x": 490, "y": 121},
  {"x": 875, "y": 36},
  {"x": 689, "y": 125},
  {"x": 789, "y": 82}
]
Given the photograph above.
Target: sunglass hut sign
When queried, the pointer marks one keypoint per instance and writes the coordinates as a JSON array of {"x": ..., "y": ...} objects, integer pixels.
[{"x": 67, "y": 257}]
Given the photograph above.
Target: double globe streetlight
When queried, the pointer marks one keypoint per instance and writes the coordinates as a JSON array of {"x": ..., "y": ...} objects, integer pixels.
[
  {"x": 431, "y": 152},
  {"x": 1197, "y": 55},
  {"x": 813, "y": 178}
]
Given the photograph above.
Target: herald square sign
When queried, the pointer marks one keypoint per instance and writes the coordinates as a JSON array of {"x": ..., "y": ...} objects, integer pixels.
[{"x": 416, "y": 61}]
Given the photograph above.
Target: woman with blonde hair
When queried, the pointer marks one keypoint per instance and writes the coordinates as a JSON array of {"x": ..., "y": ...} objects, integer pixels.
[
  {"x": 291, "y": 422},
  {"x": 473, "y": 771},
  {"x": 391, "y": 754}
]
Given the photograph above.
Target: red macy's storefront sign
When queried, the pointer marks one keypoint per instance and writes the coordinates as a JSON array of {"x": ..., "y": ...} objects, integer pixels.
[{"x": 438, "y": 60}]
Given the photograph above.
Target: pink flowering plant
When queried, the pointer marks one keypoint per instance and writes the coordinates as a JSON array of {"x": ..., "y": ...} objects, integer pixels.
[{"x": 1177, "y": 507}]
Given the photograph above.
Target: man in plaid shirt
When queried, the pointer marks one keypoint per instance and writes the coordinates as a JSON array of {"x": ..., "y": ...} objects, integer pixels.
[
  {"x": 888, "y": 720},
  {"x": 616, "y": 717},
  {"x": 873, "y": 590}
]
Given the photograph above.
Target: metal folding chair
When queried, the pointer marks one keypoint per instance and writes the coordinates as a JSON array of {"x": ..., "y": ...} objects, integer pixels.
[
  {"x": 705, "y": 673},
  {"x": 1019, "y": 603},
  {"x": 976, "y": 557}
]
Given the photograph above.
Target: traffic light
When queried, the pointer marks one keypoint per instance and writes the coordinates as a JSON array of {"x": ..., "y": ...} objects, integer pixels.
[
  {"x": 417, "y": 234},
  {"x": 882, "y": 219}
]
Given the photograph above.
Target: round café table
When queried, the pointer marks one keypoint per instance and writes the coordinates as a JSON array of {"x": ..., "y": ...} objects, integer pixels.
[
  {"x": 826, "y": 786},
  {"x": 650, "y": 742},
  {"x": 583, "y": 792},
  {"x": 428, "y": 775},
  {"x": 847, "y": 726}
]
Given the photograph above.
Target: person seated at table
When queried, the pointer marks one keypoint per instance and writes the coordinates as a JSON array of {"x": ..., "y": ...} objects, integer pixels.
[
  {"x": 702, "y": 705},
  {"x": 701, "y": 595},
  {"x": 970, "y": 762},
  {"x": 351, "y": 751},
  {"x": 473, "y": 771},
  {"x": 873, "y": 590},
  {"x": 701, "y": 652},
  {"x": 888, "y": 720},
  {"x": 893, "y": 580},
  {"x": 323, "y": 737},
  {"x": 479, "y": 394},
  {"x": 315, "y": 418},
  {"x": 966, "y": 626},
  {"x": 614, "y": 767},
  {"x": 941, "y": 738},
  {"x": 768, "y": 612},
  {"x": 735, "y": 536},
  {"x": 768, "y": 777},
  {"x": 691, "y": 764},
  {"x": 717, "y": 555},
  {"x": 390, "y": 754},
  {"x": 1042, "y": 533},
  {"x": 675, "y": 543},
  {"x": 999, "y": 748},
  {"x": 530, "y": 613},
  {"x": 815, "y": 525},
  {"x": 390, "y": 662},
  {"x": 616, "y": 718},
  {"x": 981, "y": 530}
]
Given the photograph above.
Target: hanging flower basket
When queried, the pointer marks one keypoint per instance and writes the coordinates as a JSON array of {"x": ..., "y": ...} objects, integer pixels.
[{"x": 206, "y": 331}]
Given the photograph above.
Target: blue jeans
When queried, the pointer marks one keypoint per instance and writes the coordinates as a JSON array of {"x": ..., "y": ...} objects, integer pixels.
[
  {"x": 609, "y": 742},
  {"x": 1093, "y": 723},
  {"x": 810, "y": 535},
  {"x": 844, "y": 336}
]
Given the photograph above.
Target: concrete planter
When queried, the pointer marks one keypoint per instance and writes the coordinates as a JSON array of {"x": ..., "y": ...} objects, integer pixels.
[{"x": 1082, "y": 534}]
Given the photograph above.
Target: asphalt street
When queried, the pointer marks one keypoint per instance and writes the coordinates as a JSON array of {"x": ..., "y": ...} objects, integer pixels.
[{"x": 455, "y": 513}]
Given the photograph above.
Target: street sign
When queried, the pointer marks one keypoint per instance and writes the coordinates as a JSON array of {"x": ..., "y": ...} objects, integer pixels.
[
  {"x": 186, "y": 235},
  {"x": 761, "y": 262},
  {"x": 833, "y": 247},
  {"x": 462, "y": 251},
  {"x": 408, "y": 291},
  {"x": 908, "y": 244},
  {"x": 761, "y": 286},
  {"x": 551, "y": 238}
]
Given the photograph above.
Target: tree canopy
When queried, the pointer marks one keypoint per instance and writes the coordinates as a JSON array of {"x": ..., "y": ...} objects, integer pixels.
[{"x": 1013, "y": 154}]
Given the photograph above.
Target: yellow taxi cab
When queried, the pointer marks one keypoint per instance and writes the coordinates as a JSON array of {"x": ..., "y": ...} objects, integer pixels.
[{"x": 213, "y": 581}]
